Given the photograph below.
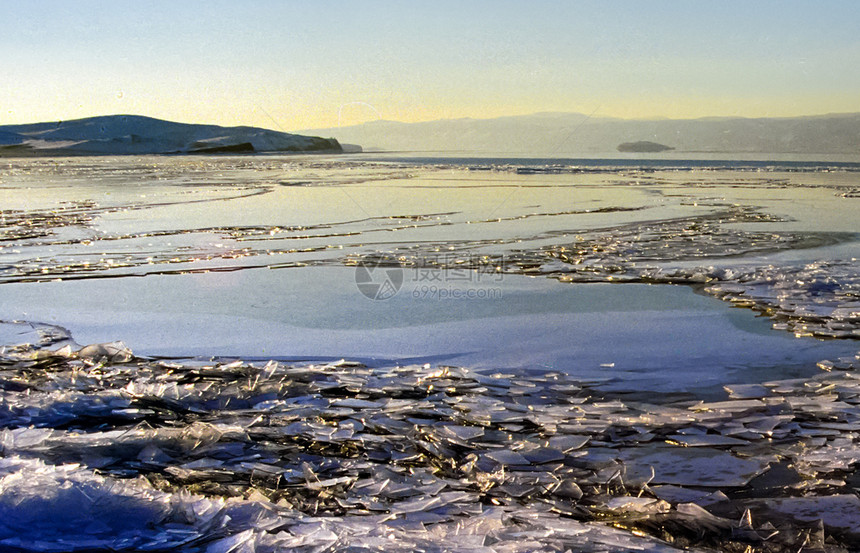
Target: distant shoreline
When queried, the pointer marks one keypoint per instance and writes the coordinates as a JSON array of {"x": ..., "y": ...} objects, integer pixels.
[{"x": 582, "y": 134}]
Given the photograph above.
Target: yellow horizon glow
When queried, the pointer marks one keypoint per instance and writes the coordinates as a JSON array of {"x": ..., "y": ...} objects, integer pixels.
[{"x": 267, "y": 113}]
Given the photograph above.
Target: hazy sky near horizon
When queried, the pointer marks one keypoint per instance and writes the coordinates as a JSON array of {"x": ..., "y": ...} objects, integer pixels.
[{"x": 297, "y": 65}]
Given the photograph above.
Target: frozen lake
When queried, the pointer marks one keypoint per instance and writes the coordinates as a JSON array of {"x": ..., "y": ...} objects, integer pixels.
[
  {"x": 637, "y": 311},
  {"x": 259, "y": 257}
]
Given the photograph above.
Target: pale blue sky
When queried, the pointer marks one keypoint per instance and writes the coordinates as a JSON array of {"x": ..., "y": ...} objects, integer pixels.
[{"x": 310, "y": 64}]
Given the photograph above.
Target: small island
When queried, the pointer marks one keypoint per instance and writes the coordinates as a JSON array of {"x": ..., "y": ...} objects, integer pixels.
[
  {"x": 643, "y": 146},
  {"x": 137, "y": 135}
]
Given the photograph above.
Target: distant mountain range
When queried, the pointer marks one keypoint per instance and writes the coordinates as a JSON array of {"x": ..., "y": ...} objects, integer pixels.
[
  {"x": 134, "y": 134},
  {"x": 578, "y": 134}
]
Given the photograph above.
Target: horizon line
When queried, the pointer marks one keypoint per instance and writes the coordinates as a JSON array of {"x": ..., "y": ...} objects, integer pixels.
[
  {"x": 465, "y": 118},
  {"x": 595, "y": 116}
]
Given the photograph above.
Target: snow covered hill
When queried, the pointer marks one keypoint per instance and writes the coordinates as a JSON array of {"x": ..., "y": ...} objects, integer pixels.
[{"x": 135, "y": 134}]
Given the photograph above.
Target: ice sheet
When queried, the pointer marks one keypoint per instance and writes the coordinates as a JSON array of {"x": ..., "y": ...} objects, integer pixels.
[{"x": 552, "y": 413}]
